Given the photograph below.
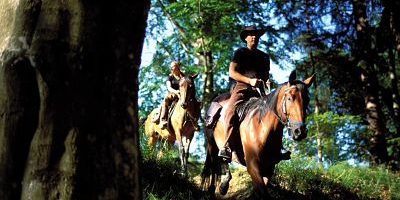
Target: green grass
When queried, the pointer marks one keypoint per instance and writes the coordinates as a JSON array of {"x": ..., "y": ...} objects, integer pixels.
[
  {"x": 299, "y": 178},
  {"x": 161, "y": 179},
  {"x": 340, "y": 181}
]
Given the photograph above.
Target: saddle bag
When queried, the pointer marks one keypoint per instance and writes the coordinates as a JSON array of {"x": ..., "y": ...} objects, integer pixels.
[{"x": 213, "y": 114}]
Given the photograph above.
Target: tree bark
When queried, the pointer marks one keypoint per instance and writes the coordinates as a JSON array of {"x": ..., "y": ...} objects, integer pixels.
[
  {"x": 68, "y": 105},
  {"x": 364, "y": 55},
  {"x": 205, "y": 60}
]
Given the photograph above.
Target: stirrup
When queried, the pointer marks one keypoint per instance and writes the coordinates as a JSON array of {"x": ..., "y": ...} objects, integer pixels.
[
  {"x": 285, "y": 155},
  {"x": 225, "y": 153}
]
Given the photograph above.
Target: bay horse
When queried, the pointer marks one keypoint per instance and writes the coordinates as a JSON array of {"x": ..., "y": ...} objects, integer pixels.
[
  {"x": 181, "y": 121},
  {"x": 257, "y": 142}
]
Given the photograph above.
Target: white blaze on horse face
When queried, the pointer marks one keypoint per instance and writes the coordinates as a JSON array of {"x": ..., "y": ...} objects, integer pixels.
[{"x": 182, "y": 91}]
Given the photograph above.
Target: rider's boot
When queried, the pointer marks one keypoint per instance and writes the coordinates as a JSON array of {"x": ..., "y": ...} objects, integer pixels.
[{"x": 285, "y": 154}]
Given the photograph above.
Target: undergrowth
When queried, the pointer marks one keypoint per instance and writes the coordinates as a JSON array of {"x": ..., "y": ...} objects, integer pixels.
[
  {"x": 161, "y": 179},
  {"x": 298, "y": 178},
  {"x": 340, "y": 181}
]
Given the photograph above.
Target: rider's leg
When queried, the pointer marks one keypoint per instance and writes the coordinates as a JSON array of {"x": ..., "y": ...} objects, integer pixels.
[
  {"x": 225, "y": 151},
  {"x": 237, "y": 95},
  {"x": 164, "y": 110}
]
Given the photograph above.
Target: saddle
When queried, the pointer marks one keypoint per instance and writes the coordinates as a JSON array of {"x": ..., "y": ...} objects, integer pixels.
[
  {"x": 156, "y": 114},
  {"x": 214, "y": 111}
]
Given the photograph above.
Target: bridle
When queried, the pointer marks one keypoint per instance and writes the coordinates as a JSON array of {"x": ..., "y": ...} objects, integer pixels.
[
  {"x": 190, "y": 99},
  {"x": 289, "y": 124}
]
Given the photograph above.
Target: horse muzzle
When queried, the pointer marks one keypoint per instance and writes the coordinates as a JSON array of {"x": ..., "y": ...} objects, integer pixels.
[{"x": 299, "y": 132}]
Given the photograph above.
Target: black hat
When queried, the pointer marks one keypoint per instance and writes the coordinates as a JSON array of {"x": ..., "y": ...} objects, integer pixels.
[{"x": 253, "y": 30}]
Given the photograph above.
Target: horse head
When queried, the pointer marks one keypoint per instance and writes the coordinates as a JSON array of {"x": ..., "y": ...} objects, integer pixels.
[
  {"x": 186, "y": 90},
  {"x": 294, "y": 106}
]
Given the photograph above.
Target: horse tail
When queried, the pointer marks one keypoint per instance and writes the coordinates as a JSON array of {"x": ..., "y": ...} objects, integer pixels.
[
  {"x": 212, "y": 170},
  {"x": 149, "y": 130}
]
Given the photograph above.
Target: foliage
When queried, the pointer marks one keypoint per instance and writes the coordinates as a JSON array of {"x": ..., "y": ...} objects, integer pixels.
[
  {"x": 162, "y": 181},
  {"x": 312, "y": 35},
  {"x": 337, "y": 133}
]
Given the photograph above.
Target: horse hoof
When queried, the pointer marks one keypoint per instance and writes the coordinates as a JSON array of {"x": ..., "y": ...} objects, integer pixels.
[{"x": 223, "y": 187}]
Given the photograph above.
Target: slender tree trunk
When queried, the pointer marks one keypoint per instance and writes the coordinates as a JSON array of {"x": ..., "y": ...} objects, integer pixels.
[
  {"x": 394, "y": 20},
  {"x": 394, "y": 91},
  {"x": 316, "y": 100},
  {"x": 68, "y": 105},
  {"x": 208, "y": 78},
  {"x": 365, "y": 60}
]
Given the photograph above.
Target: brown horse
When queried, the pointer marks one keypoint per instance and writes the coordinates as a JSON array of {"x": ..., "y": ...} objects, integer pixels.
[
  {"x": 182, "y": 121},
  {"x": 258, "y": 145}
]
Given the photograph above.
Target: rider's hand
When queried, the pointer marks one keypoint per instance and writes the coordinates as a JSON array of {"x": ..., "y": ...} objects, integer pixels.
[
  {"x": 253, "y": 82},
  {"x": 177, "y": 92}
]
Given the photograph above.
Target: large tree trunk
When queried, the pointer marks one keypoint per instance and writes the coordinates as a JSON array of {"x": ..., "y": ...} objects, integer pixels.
[
  {"x": 365, "y": 58},
  {"x": 68, "y": 98}
]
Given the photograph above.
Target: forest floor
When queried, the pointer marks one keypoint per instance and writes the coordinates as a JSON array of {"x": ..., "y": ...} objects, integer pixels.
[
  {"x": 240, "y": 187},
  {"x": 296, "y": 180}
]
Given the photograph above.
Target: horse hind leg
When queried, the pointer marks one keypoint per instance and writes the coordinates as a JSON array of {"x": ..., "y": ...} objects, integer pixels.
[
  {"x": 150, "y": 133},
  {"x": 212, "y": 167},
  {"x": 225, "y": 178}
]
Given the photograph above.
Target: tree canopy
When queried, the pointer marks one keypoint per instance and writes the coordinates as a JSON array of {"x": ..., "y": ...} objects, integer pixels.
[{"x": 352, "y": 46}]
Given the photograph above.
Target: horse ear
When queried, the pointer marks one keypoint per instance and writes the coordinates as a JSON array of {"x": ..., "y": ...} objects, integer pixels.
[
  {"x": 309, "y": 80},
  {"x": 292, "y": 76}
]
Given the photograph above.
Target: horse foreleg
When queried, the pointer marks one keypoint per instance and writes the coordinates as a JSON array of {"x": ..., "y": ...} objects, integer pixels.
[
  {"x": 186, "y": 157},
  {"x": 181, "y": 150},
  {"x": 259, "y": 182}
]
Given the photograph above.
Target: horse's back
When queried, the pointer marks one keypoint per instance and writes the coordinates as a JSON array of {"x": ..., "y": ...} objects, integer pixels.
[
  {"x": 149, "y": 125},
  {"x": 152, "y": 129}
]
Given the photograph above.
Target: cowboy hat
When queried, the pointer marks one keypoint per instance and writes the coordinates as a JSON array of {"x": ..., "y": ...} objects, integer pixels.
[{"x": 251, "y": 30}]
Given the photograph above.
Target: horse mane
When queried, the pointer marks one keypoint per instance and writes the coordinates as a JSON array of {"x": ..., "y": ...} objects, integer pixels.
[
  {"x": 192, "y": 94},
  {"x": 261, "y": 105}
]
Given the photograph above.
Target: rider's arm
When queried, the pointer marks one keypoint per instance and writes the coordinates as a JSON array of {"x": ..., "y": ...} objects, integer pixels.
[
  {"x": 170, "y": 89},
  {"x": 235, "y": 75}
]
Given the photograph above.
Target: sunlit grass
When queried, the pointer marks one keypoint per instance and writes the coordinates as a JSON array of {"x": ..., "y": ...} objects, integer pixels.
[
  {"x": 298, "y": 178},
  {"x": 340, "y": 181},
  {"x": 162, "y": 180}
]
